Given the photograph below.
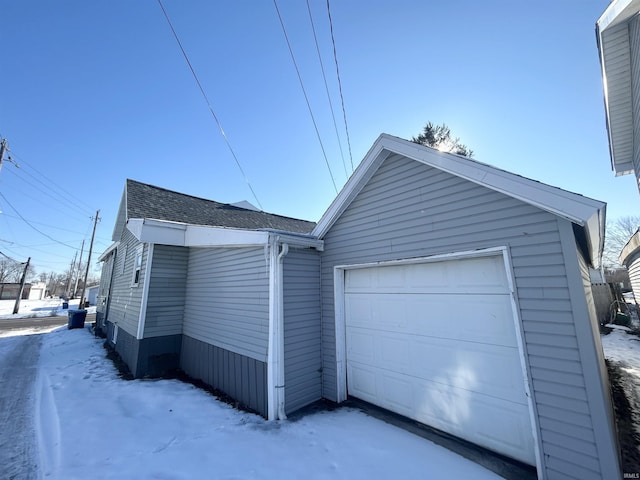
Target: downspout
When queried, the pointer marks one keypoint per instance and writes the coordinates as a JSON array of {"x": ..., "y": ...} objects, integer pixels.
[{"x": 275, "y": 356}]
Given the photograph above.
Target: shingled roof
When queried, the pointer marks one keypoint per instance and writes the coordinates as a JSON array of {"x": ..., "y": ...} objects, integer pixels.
[{"x": 148, "y": 201}]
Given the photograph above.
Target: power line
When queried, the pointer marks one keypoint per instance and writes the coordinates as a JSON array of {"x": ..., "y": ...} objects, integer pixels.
[
  {"x": 326, "y": 87},
  {"x": 27, "y": 222},
  {"x": 335, "y": 59},
  {"x": 64, "y": 203},
  {"x": 215, "y": 117},
  {"x": 59, "y": 190},
  {"x": 51, "y": 226},
  {"x": 293, "y": 58},
  {"x": 8, "y": 257}
]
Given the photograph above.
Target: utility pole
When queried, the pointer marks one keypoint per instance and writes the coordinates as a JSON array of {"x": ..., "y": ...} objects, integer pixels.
[
  {"x": 24, "y": 277},
  {"x": 75, "y": 289},
  {"x": 3, "y": 147},
  {"x": 86, "y": 273},
  {"x": 73, "y": 266}
]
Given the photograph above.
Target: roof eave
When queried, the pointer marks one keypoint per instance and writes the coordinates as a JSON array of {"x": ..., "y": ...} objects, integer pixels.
[{"x": 583, "y": 211}]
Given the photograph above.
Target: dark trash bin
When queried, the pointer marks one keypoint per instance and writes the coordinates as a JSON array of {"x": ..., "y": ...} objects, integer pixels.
[
  {"x": 76, "y": 318},
  {"x": 65, "y": 305}
]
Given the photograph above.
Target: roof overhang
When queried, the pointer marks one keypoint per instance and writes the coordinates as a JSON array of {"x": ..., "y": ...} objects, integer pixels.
[
  {"x": 630, "y": 250},
  {"x": 583, "y": 211},
  {"x": 106, "y": 253},
  {"x": 165, "y": 232},
  {"x": 614, "y": 48}
]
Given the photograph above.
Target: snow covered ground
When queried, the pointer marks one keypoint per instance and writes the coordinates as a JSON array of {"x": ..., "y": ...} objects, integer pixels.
[
  {"x": 37, "y": 308},
  {"x": 92, "y": 424}
]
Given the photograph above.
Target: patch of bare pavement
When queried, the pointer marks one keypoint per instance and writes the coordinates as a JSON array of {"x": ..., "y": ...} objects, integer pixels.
[{"x": 37, "y": 323}]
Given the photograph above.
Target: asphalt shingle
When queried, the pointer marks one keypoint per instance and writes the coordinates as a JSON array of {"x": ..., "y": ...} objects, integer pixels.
[{"x": 148, "y": 201}]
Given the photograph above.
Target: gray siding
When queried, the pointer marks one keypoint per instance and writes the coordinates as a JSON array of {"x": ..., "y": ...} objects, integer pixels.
[
  {"x": 124, "y": 308},
  {"x": 302, "y": 352},
  {"x": 167, "y": 290},
  {"x": 240, "y": 377},
  {"x": 411, "y": 210},
  {"x": 227, "y": 299},
  {"x": 634, "y": 34},
  {"x": 102, "y": 303},
  {"x": 633, "y": 267}
]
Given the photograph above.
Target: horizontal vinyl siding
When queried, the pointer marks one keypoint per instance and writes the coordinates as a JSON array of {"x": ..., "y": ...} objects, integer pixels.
[
  {"x": 124, "y": 309},
  {"x": 105, "y": 283},
  {"x": 242, "y": 378},
  {"x": 411, "y": 210},
  {"x": 227, "y": 299},
  {"x": 633, "y": 267},
  {"x": 302, "y": 330},
  {"x": 634, "y": 31},
  {"x": 167, "y": 290}
]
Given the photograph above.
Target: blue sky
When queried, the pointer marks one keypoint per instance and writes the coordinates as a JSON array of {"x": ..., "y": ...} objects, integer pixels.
[{"x": 92, "y": 93}]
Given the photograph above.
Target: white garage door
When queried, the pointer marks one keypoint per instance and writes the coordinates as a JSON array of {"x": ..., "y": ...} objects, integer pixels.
[{"x": 436, "y": 342}]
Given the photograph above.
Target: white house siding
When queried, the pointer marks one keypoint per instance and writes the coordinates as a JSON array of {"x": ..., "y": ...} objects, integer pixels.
[
  {"x": 227, "y": 299},
  {"x": 634, "y": 40},
  {"x": 302, "y": 352},
  {"x": 167, "y": 290},
  {"x": 124, "y": 308},
  {"x": 408, "y": 210},
  {"x": 633, "y": 267}
]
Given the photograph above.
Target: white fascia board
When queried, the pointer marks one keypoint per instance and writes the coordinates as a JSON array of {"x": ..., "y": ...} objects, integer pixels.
[
  {"x": 297, "y": 240},
  {"x": 203, "y": 236},
  {"x": 165, "y": 232},
  {"x": 157, "y": 231},
  {"x": 571, "y": 206},
  {"x": 372, "y": 160},
  {"x": 106, "y": 253},
  {"x": 617, "y": 11}
]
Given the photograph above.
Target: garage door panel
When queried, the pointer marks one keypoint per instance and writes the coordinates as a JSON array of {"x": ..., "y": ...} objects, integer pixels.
[
  {"x": 437, "y": 342},
  {"x": 478, "y": 318},
  {"x": 487, "y": 369},
  {"x": 478, "y": 275},
  {"x": 499, "y": 425}
]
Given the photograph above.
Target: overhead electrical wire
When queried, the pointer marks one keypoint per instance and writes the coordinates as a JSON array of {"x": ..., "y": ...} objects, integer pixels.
[
  {"x": 206, "y": 98},
  {"x": 8, "y": 257},
  {"x": 36, "y": 229},
  {"x": 59, "y": 190},
  {"x": 315, "y": 125},
  {"x": 335, "y": 59},
  {"x": 326, "y": 87}
]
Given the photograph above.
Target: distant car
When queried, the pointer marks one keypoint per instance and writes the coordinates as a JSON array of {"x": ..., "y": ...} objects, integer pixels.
[{"x": 64, "y": 298}]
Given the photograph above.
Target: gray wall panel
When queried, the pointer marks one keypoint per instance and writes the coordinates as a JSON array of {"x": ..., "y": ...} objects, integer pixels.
[
  {"x": 411, "y": 210},
  {"x": 167, "y": 291},
  {"x": 302, "y": 350},
  {"x": 227, "y": 299},
  {"x": 240, "y": 377}
]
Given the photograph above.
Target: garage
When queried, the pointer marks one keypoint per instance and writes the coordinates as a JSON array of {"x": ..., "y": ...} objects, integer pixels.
[{"x": 436, "y": 341}]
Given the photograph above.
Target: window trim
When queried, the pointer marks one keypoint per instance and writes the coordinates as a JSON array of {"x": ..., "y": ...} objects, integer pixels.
[{"x": 137, "y": 266}]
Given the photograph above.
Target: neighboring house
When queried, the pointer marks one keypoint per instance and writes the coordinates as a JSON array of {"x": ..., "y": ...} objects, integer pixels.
[
  {"x": 91, "y": 294},
  {"x": 435, "y": 286},
  {"x": 618, "y": 36},
  {"x": 37, "y": 291},
  {"x": 630, "y": 258},
  {"x": 9, "y": 291}
]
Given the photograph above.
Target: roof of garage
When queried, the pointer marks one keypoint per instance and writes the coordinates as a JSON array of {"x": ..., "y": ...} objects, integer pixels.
[{"x": 583, "y": 211}]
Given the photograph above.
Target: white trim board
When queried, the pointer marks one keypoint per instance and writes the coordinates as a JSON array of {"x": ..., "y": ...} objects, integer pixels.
[{"x": 581, "y": 210}]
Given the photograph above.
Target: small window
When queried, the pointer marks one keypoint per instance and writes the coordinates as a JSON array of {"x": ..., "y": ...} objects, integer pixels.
[{"x": 137, "y": 266}]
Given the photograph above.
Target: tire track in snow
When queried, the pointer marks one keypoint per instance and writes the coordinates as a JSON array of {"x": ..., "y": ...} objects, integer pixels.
[{"x": 18, "y": 371}]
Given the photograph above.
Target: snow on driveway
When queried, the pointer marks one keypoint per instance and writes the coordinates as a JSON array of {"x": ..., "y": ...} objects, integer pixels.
[
  {"x": 94, "y": 425},
  {"x": 18, "y": 369}
]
